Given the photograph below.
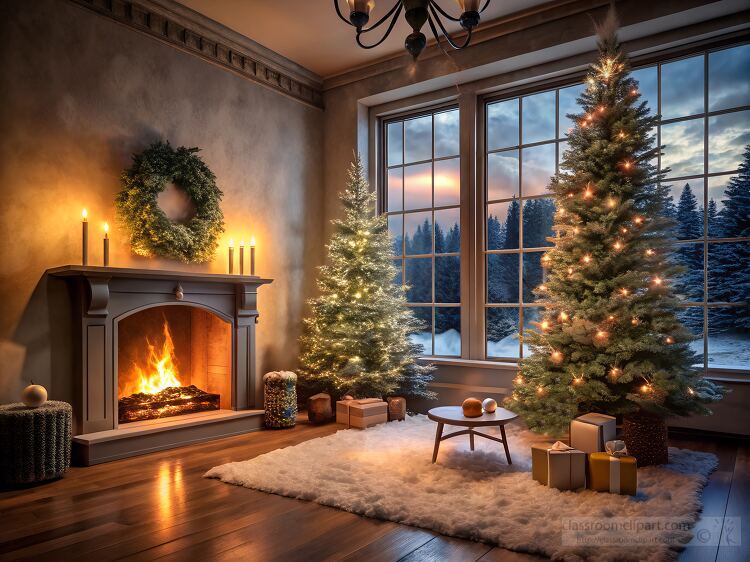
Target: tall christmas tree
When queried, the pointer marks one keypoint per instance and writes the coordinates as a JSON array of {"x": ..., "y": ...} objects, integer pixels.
[
  {"x": 609, "y": 340},
  {"x": 357, "y": 338}
]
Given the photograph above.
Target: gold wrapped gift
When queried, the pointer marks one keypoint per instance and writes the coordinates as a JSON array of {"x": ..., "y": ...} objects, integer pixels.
[
  {"x": 558, "y": 466},
  {"x": 617, "y": 475}
]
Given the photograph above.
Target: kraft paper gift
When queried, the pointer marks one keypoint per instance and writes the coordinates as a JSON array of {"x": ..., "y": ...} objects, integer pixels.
[
  {"x": 614, "y": 474},
  {"x": 589, "y": 432},
  {"x": 558, "y": 466},
  {"x": 361, "y": 413}
]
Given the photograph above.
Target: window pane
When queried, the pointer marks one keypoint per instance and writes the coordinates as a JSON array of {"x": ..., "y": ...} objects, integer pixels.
[
  {"x": 538, "y": 167},
  {"x": 395, "y": 143},
  {"x": 424, "y": 337},
  {"x": 396, "y": 229},
  {"x": 688, "y": 285},
  {"x": 728, "y": 136},
  {"x": 531, "y": 318},
  {"x": 692, "y": 319},
  {"x": 418, "y": 139},
  {"x": 682, "y": 87},
  {"x": 538, "y": 216},
  {"x": 447, "y": 182},
  {"x": 448, "y": 331},
  {"x": 448, "y": 279},
  {"x": 502, "y": 175},
  {"x": 538, "y": 116},
  {"x": 533, "y": 275},
  {"x": 502, "y": 332},
  {"x": 418, "y": 186},
  {"x": 727, "y": 196},
  {"x": 446, "y": 133},
  {"x": 729, "y": 78},
  {"x": 418, "y": 276},
  {"x": 683, "y": 150},
  {"x": 447, "y": 231},
  {"x": 647, "y": 87},
  {"x": 418, "y": 233},
  {"x": 502, "y": 124},
  {"x": 568, "y": 106},
  {"x": 503, "y": 223},
  {"x": 687, "y": 209},
  {"x": 729, "y": 273},
  {"x": 395, "y": 189},
  {"x": 398, "y": 279},
  {"x": 502, "y": 278},
  {"x": 728, "y": 338}
]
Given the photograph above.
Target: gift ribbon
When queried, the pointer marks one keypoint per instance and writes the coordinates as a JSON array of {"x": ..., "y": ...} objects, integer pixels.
[{"x": 614, "y": 475}]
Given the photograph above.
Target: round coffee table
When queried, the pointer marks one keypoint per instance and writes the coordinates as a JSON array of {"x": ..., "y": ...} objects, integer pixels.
[{"x": 454, "y": 415}]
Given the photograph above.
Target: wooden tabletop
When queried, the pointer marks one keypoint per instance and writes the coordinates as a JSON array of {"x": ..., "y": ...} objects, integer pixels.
[{"x": 454, "y": 415}]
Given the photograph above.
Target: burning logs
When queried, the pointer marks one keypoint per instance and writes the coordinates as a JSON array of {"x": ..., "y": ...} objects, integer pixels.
[{"x": 172, "y": 401}]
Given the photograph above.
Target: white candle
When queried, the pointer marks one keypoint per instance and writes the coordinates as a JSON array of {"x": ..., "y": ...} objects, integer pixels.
[
  {"x": 106, "y": 244},
  {"x": 85, "y": 237},
  {"x": 242, "y": 257},
  {"x": 252, "y": 255},
  {"x": 231, "y": 256}
]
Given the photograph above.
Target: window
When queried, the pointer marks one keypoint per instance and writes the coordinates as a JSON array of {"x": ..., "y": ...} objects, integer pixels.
[{"x": 422, "y": 198}]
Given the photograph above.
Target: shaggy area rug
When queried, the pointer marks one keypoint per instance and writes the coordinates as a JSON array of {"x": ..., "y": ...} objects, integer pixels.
[{"x": 386, "y": 472}]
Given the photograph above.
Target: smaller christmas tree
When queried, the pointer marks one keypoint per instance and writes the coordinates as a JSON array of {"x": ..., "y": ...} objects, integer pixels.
[{"x": 357, "y": 338}]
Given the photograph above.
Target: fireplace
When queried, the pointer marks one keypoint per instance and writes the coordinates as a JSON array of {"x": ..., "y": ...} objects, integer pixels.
[{"x": 159, "y": 359}]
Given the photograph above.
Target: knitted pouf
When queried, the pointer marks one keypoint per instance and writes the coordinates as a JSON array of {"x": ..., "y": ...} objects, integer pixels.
[
  {"x": 34, "y": 442},
  {"x": 280, "y": 398}
]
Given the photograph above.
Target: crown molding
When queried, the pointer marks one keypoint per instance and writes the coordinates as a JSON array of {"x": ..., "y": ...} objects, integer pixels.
[{"x": 191, "y": 32}]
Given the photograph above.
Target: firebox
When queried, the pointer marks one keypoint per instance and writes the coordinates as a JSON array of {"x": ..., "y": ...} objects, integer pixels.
[
  {"x": 171, "y": 361},
  {"x": 158, "y": 358}
]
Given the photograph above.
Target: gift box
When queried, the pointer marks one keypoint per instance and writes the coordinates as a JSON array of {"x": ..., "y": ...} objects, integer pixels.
[
  {"x": 558, "y": 466},
  {"x": 361, "y": 413},
  {"x": 608, "y": 473},
  {"x": 589, "y": 432},
  {"x": 396, "y": 408}
]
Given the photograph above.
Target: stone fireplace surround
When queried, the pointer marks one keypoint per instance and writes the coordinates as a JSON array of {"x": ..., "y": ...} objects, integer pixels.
[{"x": 100, "y": 297}]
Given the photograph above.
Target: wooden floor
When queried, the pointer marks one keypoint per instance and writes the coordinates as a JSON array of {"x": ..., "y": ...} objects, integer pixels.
[{"x": 158, "y": 506}]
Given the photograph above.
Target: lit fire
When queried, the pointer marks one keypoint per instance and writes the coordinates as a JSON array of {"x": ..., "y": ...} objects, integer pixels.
[{"x": 160, "y": 372}]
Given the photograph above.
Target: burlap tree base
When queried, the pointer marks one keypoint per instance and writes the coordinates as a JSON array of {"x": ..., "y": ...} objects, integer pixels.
[
  {"x": 645, "y": 435},
  {"x": 34, "y": 442}
]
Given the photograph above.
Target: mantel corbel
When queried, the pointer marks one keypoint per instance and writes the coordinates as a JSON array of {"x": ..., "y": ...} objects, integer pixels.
[{"x": 98, "y": 305}]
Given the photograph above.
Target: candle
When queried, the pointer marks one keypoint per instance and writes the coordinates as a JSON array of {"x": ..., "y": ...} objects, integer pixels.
[
  {"x": 242, "y": 257},
  {"x": 106, "y": 244},
  {"x": 252, "y": 255},
  {"x": 85, "y": 237},
  {"x": 231, "y": 256}
]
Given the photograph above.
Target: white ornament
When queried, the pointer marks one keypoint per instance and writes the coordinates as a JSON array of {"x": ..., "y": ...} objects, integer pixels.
[
  {"x": 489, "y": 405},
  {"x": 34, "y": 395}
]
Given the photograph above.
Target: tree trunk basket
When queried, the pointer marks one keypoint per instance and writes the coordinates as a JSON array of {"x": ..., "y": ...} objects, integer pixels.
[
  {"x": 34, "y": 442},
  {"x": 280, "y": 398},
  {"x": 645, "y": 436}
]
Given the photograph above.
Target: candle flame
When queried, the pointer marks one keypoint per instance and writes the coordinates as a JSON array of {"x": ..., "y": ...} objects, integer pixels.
[
  {"x": 252, "y": 241},
  {"x": 231, "y": 243},
  {"x": 242, "y": 243},
  {"x": 106, "y": 228},
  {"x": 84, "y": 214}
]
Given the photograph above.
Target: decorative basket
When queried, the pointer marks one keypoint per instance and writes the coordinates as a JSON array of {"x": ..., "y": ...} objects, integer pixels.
[
  {"x": 34, "y": 442},
  {"x": 280, "y": 398}
]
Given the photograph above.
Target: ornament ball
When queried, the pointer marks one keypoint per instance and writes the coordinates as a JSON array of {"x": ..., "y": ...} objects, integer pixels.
[{"x": 34, "y": 395}]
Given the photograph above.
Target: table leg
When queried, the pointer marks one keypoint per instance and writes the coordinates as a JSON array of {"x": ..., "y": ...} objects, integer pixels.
[
  {"x": 505, "y": 444},
  {"x": 471, "y": 439},
  {"x": 438, "y": 435}
]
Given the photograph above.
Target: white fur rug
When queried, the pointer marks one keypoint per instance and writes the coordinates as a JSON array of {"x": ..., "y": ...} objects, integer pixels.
[{"x": 386, "y": 472}]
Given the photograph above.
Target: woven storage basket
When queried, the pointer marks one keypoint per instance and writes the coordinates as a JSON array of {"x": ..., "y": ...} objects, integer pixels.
[
  {"x": 34, "y": 442},
  {"x": 280, "y": 398}
]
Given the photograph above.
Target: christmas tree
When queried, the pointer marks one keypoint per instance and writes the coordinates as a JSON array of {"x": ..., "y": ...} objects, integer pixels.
[
  {"x": 609, "y": 339},
  {"x": 357, "y": 338}
]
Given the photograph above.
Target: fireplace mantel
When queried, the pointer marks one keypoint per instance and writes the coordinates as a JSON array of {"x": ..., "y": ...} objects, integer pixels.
[{"x": 103, "y": 296}]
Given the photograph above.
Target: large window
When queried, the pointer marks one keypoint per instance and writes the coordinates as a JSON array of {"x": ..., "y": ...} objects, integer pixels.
[{"x": 422, "y": 198}]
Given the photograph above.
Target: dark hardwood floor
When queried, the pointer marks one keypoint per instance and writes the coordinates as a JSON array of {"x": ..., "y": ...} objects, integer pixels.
[{"x": 159, "y": 506}]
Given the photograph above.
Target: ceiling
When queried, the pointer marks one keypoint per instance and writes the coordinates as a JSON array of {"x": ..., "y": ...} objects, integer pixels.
[{"x": 310, "y": 33}]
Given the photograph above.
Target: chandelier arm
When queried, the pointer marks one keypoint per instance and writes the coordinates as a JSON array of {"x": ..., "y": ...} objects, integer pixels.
[
  {"x": 487, "y": 3},
  {"x": 396, "y": 8},
  {"x": 435, "y": 5},
  {"x": 385, "y": 35},
  {"x": 338, "y": 11},
  {"x": 445, "y": 33},
  {"x": 436, "y": 35}
]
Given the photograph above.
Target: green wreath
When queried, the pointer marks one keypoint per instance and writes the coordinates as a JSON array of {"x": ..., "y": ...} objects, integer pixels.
[{"x": 151, "y": 231}]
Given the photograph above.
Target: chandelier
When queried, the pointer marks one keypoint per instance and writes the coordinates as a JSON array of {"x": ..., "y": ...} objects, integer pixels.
[{"x": 417, "y": 13}]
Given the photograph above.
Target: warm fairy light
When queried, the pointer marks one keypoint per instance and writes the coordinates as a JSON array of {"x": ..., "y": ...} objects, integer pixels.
[
  {"x": 650, "y": 252},
  {"x": 601, "y": 334},
  {"x": 588, "y": 194},
  {"x": 570, "y": 271},
  {"x": 518, "y": 379},
  {"x": 578, "y": 380},
  {"x": 563, "y": 316},
  {"x": 576, "y": 230},
  {"x": 545, "y": 325},
  {"x": 627, "y": 164},
  {"x": 634, "y": 92},
  {"x": 624, "y": 292},
  {"x": 540, "y": 389},
  {"x": 357, "y": 295},
  {"x": 556, "y": 356},
  {"x": 634, "y": 321},
  {"x": 611, "y": 317},
  {"x": 621, "y": 135},
  {"x": 583, "y": 123},
  {"x": 614, "y": 372},
  {"x": 587, "y": 259},
  {"x": 617, "y": 245},
  {"x": 601, "y": 109},
  {"x": 658, "y": 281},
  {"x": 542, "y": 287},
  {"x": 638, "y": 220},
  {"x": 591, "y": 81},
  {"x": 611, "y": 203},
  {"x": 646, "y": 388},
  {"x": 84, "y": 215},
  {"x": 571, "y": 194},
  {"x": 669, "y": 340},
  {"x": 589, "y": 117},
  {"x": 691, "y": 392},
  {"x": 561, "y": 212},
  {"x": 624, "y": 230}
]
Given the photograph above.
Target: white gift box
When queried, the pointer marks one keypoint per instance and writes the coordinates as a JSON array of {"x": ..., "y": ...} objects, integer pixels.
[{"x": 589, "y": 432}]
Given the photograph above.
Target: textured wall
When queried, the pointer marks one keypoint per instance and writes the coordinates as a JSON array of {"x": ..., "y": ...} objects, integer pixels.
[{"x": 78, "y": 95}]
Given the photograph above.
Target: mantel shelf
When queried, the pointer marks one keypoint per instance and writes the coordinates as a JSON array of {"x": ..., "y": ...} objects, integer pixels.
[{"x": 131, "y": 273}]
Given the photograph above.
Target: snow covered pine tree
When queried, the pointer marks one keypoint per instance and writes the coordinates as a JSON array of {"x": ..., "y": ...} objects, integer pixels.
[
  {"x": 609, "y": 340},
  {"x": 357, "y": 339}
]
